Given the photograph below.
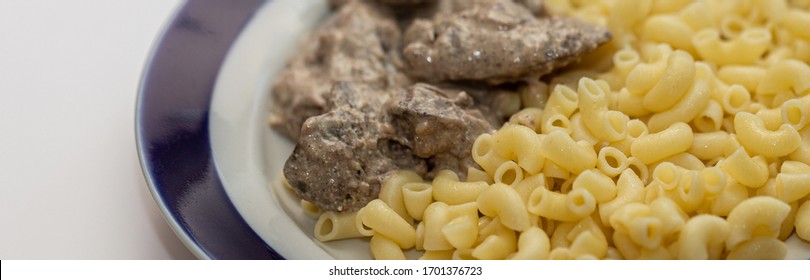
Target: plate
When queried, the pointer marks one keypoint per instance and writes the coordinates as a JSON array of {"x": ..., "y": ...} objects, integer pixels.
[
  {"x": 172, "y": 130},
  {"x": 210, "y": 159}
]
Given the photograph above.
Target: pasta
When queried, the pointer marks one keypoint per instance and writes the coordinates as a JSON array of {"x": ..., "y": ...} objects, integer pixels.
[
  {"x": 335, "y": 226},
  {"x": 383, "y": 248},
  {"x": 383, "y": 220},
  {"x": 689, "y": 144},
  {"x": 749, "y": 46},
  {"x": 447, "y": 188},
  {"x": 416, "y": 197},
  {"x": 520, "y": 144},
  {"x": 572, "y": 156},
  {"x": 532, "y": 244},
  {"x": 755, "y": 137},
  {"x": 653, "y": 147},
  {"x": 593, "y": 105},
  {"x": 505, "y": 203},
  {"x": 702, "y": 238},
  {"x": 749, "y": 171},
  {"x": 391, "y": 192},
  {"x": 599, "y": 185},
  {"x": 756, "y": 216},
  {"x": 573, "y": 206}
]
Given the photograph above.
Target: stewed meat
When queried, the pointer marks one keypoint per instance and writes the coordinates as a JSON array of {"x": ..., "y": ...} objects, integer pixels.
[
  {"x": 495, "y": 41},
  {"x": 360, "y": 42},
  {"x": 343, "y": 155}
]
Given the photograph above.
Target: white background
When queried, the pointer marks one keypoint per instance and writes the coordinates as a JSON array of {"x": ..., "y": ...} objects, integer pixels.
[{"x": 71, "y": 186}]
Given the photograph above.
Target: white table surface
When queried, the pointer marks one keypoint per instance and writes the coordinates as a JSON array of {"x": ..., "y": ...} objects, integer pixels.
[{"x": 70, "y": 180}]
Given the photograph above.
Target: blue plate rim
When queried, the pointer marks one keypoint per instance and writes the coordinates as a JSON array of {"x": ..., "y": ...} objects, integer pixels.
[{"x": 172, "y": 136}]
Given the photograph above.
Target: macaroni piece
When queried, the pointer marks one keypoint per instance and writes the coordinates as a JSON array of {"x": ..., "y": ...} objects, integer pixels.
[
  {"x": 484, "y": 155},
  {"x": 572, "y": 156},
  {"x": 749, "y": 46},
  {"x": 336, "y": 226},
  {"x": 646, "y": 74},
  {"x": 562, "y": 100},
  {"x": 629, "y": 189},
  {"x": 520, "y": 144},
  {"x": 732, "y": 194},
  {"x": 685, "y": 110},
  {"x": 461, "y": 231},
  {"x": 749, "y": 171},
  {"x": 504, "y": 202},
  {"x": 673, "y": 84},
  {"x": 611, "y": 161},
  {"x": 417, "y": 197},
  {"x": 601, "y": 187},
  {"x": 755, "y": 137},
  {"x": 635, "y": 129},
  {"x": 435, "y": 218},
  {"x": 572, "y": 206},
  {"x": 385, "y": 221},
  {"x": 679, "y": 33},
  {"x": 672, "y": 217},
  {"x": 796, "y": 112},
  {"x": 580, "y": 132},
  {"x": 685, "y": 160},
  {"x": 447, "y": 188},
  {"x": 532, "y": 244},
  {"x": 756, "y": 216},
  {"x": 710, "y": 119},
  {"x": 653, "y": 147},
  {"x": 508, "y": 173},
  {"x": 498, "y": 245},
  {"x": 702, "y": 238},
  {"x": 593, "y": 105},
  {"x": 735, "y": 99},
  {"x": 391, "y": 192},
  {"x": 742, "y": 75},
  {"x": 383, "y": 248},
  {"x": 791, "y": 187},
  {"x": 786, "y": 75},
  {"x": 710, "y": 145}
]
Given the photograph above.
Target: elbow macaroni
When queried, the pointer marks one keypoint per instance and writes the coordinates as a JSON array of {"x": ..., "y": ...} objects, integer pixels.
[{"x": 694, "y": 144}]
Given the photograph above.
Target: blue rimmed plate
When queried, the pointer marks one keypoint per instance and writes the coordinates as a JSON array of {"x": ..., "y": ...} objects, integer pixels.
[
  {"x": 210, "y": 160},
  {"x": 172, "y": 129}
]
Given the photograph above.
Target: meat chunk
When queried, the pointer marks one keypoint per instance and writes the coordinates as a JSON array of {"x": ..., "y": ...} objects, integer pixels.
[
  {"x": 438, "y": 125},
  {"x": 496, "y": 41},
  {"x": 342, "y": 156},
  {"x": 358, "y": 43}
]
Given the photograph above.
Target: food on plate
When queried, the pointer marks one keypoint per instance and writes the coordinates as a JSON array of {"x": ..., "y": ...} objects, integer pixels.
[
  {"x": 495, "y": 41},
  {"x": 343, "y": 155},
  {"x": 359, "y": 43},
  {"x": 358, "y": 113},
  {"x": 654, "y": 146}
]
